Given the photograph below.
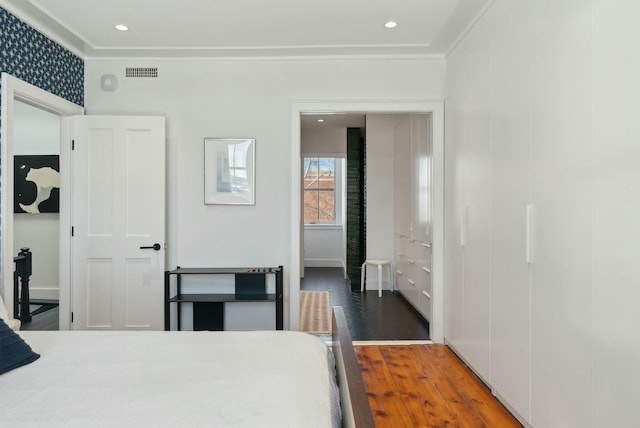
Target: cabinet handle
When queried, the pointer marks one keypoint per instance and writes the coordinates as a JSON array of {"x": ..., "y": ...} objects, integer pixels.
[
  {"x": 529, "y": 231},
  {"x": 427, "y": 270},
  {"x": 412, "y": 261},
  {"x": 426, "y": 245},
  {"x": 427, "y": 294},
  {"x": 399, "y": 273},
  {"x": 411, "y": 282}
]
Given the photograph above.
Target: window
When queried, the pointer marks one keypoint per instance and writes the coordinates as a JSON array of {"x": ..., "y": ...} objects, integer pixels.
[{"x": 321, "y": 183}]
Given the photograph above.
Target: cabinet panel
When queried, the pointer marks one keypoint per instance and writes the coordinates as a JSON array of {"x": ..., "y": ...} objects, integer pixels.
[
  {"x": 616, "y": 212},
  {"x": 562, "y": 195},
  {"x": 477, "y": 214},
  {"x": 421, "y": 178},
  {"x": 453, "y": 198},
  {"x": 511, "y": 167},
  {"x": 402, "y": 175}
]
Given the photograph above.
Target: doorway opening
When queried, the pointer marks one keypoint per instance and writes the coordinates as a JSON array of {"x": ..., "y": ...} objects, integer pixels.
[
  {"x": 19, "y": 97},
  {"x": 436, "y": 135},
  {"x": 325, "y": 206},
  {"x": 36, "y": 214}
]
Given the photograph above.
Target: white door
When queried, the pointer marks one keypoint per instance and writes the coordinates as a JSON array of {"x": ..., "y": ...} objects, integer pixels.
[{"x": 118, "y": 208}]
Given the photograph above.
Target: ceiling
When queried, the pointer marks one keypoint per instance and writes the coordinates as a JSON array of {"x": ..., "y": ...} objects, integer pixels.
[
  {"x": 320, "y": 122},
  {"x": 249, "y": 28}
]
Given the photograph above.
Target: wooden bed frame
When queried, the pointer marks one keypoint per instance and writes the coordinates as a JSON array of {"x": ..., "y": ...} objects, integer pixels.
[{"x": 353, "y": 395}]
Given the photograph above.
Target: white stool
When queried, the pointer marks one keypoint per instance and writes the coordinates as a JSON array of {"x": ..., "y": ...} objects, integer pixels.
[{"x": 378, "y": 263}]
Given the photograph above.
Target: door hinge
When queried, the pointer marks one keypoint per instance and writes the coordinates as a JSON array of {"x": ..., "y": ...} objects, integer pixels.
[
  {"x": 71, "y": 316},
  {"x": 73, "y": 144},
  {"x": 72, "y": 231}
]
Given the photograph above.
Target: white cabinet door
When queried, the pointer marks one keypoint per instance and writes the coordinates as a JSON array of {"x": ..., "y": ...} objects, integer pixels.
[
  {"x": 477, "y": 183},
  {"x": 118, "y": 208},
  {"x": 420, "y": 178},
  {"x": 402, "y": 175},
  {"x": 511, "y": 181},
  {"x": 616, "y": 212},
  {"x": 562, "y": 316},
  {"x": 454, "y": 201}
]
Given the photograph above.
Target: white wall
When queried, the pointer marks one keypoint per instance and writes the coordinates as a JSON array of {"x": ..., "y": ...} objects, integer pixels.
[
  {"x": 380, "y": 223},
  {"x": 323, "y": 246},
  {"x": 239, "y": 98},
  {"x": 542, "y": 109},
  {"x": 331, "y": 141},
  {"x": 37, "y": 132}
]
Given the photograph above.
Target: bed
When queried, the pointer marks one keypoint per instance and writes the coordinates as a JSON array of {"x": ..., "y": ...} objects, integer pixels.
[{"x": 174, "y": 379}]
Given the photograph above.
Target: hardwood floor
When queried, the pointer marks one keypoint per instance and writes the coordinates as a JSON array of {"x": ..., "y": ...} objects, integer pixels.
[{"x": 427, "y": 386}]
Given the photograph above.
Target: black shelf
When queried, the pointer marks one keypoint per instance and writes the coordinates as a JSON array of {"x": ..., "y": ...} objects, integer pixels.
[
  {"x": 249, "y": 286},
  {"x": 230, "y": 297},
  {"x": 213, "y": 271}
]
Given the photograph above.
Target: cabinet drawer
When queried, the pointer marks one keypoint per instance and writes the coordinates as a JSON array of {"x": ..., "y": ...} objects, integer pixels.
[
  {"x": 411, "y": 291},
  {"x": 422, "y": 253},
  {"x": 424, "y": 303},
  {"x": 424, "y": 278},
  {"x": 400, "y": 272},
  {"x": 401, "y": 245}
]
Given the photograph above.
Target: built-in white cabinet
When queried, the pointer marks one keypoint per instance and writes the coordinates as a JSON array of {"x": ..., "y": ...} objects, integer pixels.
[
  {"x": 412, "y": 187},
  {"x": 541, "y": 208}
]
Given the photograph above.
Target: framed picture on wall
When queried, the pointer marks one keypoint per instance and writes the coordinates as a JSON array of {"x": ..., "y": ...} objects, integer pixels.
[
  {"x": 229, "y": 171},
  {"x": 36, "y": 184}
]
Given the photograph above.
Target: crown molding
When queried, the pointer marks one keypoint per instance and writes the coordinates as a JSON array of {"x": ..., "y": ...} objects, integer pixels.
[{"x": 42, "y": 23}]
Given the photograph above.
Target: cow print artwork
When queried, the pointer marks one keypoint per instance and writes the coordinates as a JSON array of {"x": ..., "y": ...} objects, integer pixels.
[{"x": 37, "y": 184}]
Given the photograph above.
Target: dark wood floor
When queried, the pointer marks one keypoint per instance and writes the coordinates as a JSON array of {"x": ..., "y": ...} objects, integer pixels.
[
  {"x": 427, "y": 386},
  {"x": 369, "y": 317},
  {"x": 48, "y": 320}
]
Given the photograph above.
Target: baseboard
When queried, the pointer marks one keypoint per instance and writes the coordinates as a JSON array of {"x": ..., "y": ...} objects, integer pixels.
[
  {"x": 323, "y": 263},
  {"x": 44, "y": 293}
]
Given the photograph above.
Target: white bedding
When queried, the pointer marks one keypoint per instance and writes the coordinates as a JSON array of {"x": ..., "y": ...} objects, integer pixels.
[{"x": 171, "y": 379}]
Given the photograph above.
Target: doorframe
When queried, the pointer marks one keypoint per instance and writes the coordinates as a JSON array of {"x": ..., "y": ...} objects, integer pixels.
[
  {"x": 433, "y": 107},
  {"x": 14, "y": 89}
]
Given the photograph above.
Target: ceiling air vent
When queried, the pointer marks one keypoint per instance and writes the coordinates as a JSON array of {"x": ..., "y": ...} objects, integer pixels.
[{"x": 144, "y": 72}]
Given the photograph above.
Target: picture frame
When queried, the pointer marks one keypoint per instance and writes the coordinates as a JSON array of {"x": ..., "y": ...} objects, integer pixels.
[
  {"x": 36, "y": 184},
  {"x": 229, "y": 171}
]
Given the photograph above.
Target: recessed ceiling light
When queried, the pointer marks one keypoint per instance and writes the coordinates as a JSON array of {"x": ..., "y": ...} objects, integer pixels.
[
  {"x": 391, "y": 24},
  {"x": 320, "y": 120},
  {"x": 121, "y": 27}
]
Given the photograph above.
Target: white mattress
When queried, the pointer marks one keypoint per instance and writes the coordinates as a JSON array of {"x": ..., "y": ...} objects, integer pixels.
[{"x": 171, "y": 379}]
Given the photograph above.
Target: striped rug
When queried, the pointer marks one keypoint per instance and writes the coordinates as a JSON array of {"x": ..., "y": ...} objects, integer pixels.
[{"x": 315, "y": 314}]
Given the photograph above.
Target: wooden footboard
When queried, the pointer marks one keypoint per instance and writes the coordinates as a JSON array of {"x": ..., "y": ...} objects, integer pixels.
[{"x": 353, "y": 395}]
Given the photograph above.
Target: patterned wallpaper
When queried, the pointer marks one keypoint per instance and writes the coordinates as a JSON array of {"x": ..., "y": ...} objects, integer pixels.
[
  {"x": 31, "y": 56},
  {"x": 34, "y": 58}
]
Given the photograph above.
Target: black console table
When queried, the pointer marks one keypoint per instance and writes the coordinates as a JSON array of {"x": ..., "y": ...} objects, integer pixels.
[{"x": 249, "y": 285}]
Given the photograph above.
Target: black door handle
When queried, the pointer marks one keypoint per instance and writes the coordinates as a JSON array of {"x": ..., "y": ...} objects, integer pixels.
[{"x": 155, "y": 246}]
